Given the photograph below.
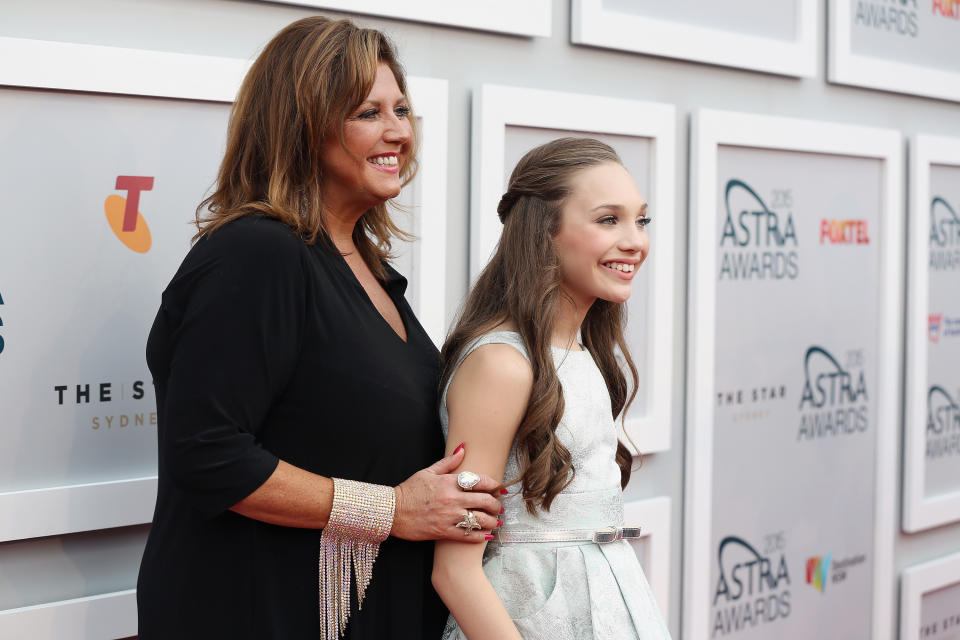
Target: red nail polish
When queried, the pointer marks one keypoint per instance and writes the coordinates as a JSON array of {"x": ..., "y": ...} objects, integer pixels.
[
  {"x": 502, "y": 510},
  {"x": 503, "y": 492},
  {"x": 488, "y": 536},
  {"x": 457, "y": 450},
  {"x": 499, "y": 523}
]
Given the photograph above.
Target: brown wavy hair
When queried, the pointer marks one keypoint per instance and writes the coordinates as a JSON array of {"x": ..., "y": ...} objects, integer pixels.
[
  {"x": 522, "y": 283},
  {"x": 295, "y": 98}
]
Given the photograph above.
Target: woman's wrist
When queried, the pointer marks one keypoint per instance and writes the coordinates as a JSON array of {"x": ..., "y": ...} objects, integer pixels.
[
  {"x": 361, "y": 517},
  {"x": 361, "y": 511}
]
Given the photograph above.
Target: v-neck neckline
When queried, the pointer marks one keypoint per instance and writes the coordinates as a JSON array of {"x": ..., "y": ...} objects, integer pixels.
[{"x": 342, "y": 261}]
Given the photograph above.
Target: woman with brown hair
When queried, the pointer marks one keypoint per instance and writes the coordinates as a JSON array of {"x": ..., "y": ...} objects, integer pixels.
[
  {"x": 296, "y": 391},
  {"x": 536, "y": 407}
]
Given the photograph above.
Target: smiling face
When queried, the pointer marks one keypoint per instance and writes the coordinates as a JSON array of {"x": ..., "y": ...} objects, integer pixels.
[
  {"x": 601, "y": 241},
  {"x": 378, "y": 137}
]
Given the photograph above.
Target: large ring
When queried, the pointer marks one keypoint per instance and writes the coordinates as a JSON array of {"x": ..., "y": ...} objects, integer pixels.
[
  {"x": 469, "y": 523},
  {"x": 467, "y": 480}
]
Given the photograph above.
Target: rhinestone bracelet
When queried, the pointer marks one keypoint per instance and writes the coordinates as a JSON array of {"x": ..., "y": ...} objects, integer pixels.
[{"x": 360, "y": 519}]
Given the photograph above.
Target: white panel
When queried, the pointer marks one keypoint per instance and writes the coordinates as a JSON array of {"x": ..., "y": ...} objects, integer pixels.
[
  {"x": 711, "y": 129},
  {"x": 108, "y": 616},
  {"x": 527, "y": 18},
  {"x": 921, "y": 580},
  {"x": 653, "y": 516},
  {"x": 598, "y": 25},
  {"x": 73, "y": 507},
  {"x": 495, "y": 109},
  {"x": 848, "y": 67},
  {"x": 921, "y": 511}
]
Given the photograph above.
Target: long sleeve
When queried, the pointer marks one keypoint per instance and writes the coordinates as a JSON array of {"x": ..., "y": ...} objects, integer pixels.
[{"x": 223, "y": 347}]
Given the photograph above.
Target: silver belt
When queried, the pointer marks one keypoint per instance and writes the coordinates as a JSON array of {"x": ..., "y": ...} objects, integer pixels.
[{"x": 599, "y": 536}]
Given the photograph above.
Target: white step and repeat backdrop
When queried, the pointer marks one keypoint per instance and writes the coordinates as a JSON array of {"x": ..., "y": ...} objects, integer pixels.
[{"x": 796, "y": 320}]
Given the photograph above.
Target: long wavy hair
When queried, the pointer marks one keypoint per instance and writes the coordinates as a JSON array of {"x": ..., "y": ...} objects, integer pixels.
[
  {"x": 293, "y": 101},
  {"x": 522, "y": 283}
]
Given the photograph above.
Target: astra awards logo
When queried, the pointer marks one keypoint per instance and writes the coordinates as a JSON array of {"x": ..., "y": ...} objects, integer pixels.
[
  {"x": 834, "y": 399},
  {"x": 947, "y": 8},
  {"x": 844, "y": 232},
  {"x": 820, "y": 567},
  {"x": 124, "y": 215},
  {"x": 944, "y": 236},
  {"x": 758, "y": 242},
  {"x": 897, "y": 17},
  {"x": 943, "y": 423},
  {"x": 753, "y": 587},
  {"x": 94, "y": 395}
]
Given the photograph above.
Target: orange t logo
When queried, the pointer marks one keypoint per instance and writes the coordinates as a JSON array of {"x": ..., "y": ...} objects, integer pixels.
[{"x": 124, "y": 216}]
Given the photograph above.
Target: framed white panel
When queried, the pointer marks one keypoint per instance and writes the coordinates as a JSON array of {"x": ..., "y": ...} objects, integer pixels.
[
  {"x": 111, "y": 615},
  {"x": 527, "y": 18},
  {"x": 930, "y": 600},
  {"x": 906, "y": 47},
  {"x": 784, "y": 518},
  {"x": 774, "y": 37},
  {"x": 83, "y": 494},
  {"x": 505, "y": 116},
  {"x": 45, "y": 64},
  {"x": 655, "y": 546},
  {"x": 425, "y": 215},
  {"x": 932, "y": 426}
]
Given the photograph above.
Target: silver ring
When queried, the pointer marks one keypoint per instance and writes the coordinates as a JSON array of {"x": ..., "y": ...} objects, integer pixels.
[
  {"x": 469, "y": 523},
  {"x": 467, "y": 480}
]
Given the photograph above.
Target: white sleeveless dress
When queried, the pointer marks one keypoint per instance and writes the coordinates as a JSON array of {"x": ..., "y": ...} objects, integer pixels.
[{"x": 570, "y": 590}]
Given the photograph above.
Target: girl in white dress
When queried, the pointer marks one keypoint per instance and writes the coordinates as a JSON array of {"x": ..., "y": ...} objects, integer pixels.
[{"x": 535, "y": 407}]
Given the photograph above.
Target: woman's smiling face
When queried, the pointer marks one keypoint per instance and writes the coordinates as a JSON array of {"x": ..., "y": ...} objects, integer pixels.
[
  {"x": 602, "y": 239},
  {"x": 377, "y": 136}
]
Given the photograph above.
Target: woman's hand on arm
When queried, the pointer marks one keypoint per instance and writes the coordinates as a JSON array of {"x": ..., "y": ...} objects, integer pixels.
[
  {"x": 487, "y": 401},
  {"x": 429, "y": 503}
]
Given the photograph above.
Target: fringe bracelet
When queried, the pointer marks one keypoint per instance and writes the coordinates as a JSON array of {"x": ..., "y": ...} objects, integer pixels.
[{"x": 360, "y": 519}]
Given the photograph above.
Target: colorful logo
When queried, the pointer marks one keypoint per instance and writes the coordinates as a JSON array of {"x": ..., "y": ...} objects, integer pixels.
[
  {"x": 124, "y": 216},
  {"x": 844, "y": 231},
  {"x": 817, "y": 568},
  {"x": 934, "y": 321},
  {"x": 947, "y": 8}
]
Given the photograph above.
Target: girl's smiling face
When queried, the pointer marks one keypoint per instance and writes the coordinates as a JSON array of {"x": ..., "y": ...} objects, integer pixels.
[{"x": 602, "y": 239}]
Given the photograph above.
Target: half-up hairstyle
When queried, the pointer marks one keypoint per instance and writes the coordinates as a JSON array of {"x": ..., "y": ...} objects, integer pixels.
[
  {"x": 295, "y": 98},
  {"x": 522, "y": 283}
]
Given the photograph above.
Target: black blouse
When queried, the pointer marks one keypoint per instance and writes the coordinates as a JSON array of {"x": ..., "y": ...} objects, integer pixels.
[{"x": 266, "y": 348}]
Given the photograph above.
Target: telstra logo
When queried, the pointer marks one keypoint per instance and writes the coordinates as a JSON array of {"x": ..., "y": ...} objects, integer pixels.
[{"x": 124, "y": 216}]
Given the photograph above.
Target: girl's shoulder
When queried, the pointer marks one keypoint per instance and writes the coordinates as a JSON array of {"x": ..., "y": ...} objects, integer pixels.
[{"x": 498, "y": 336}]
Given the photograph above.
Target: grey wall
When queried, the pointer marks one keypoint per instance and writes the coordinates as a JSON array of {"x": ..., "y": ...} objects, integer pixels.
[{"x": 468, "y": 59}]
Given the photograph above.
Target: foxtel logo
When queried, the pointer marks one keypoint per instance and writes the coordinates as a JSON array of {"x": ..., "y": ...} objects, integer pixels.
[
  {"x": 844, "y": 231},
  {"x": 124, "y": 216}
]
